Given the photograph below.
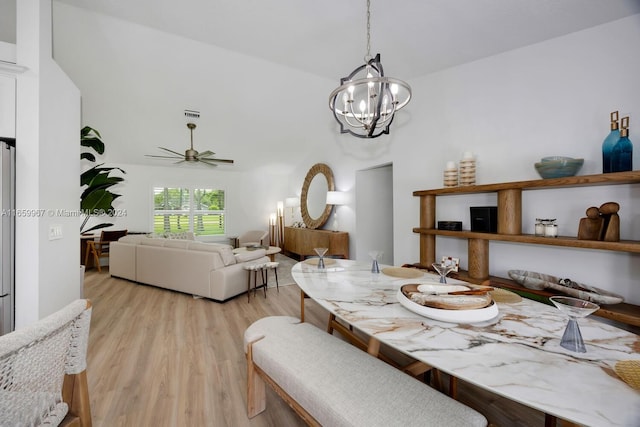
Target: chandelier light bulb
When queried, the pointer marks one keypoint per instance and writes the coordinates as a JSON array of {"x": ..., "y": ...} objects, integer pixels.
[{"x": 368, "y": 82}]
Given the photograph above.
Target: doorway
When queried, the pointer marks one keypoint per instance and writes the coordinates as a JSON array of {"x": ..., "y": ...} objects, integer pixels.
[{"x": 374, "y": 212}]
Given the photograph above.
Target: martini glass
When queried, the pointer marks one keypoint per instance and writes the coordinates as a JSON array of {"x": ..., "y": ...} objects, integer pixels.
[
  {"x": 443, "y": 270},
  {"x": 375, "y": 255},
  {"x": 321, "y": 252},
  {"x": 574, "y": 308}
]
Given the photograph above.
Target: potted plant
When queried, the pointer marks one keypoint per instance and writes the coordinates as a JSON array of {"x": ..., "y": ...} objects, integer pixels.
[{"x": 96, "y": 198}]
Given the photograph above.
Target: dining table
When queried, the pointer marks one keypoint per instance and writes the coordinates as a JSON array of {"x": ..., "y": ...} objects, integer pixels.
[{"x": 515, "y": 354}]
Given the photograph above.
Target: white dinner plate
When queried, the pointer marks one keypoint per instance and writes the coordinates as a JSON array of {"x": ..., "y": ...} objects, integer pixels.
[{"x": 452, "y": 316}]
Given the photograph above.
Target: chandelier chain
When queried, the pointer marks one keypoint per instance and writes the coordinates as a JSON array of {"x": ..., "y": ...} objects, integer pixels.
[{"x": 368, "y": 56}]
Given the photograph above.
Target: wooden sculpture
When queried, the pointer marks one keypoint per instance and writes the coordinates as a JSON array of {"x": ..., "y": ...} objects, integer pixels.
[
  {"x": 590, "y": 228},
  {"x": 611, "y": 227},
  {"x": 601, "y": 223}
]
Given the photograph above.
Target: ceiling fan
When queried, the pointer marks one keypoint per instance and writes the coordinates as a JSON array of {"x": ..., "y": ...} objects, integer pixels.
[{"x": 191, "y": 155}]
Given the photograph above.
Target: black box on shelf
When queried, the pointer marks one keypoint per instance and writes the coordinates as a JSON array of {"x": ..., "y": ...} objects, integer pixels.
[
  {"x": 450, "y": 225},
  {"x": 484, "y": 219}
]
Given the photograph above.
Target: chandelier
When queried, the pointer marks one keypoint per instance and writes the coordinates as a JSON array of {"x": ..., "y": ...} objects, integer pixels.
[{"x": 365, "y": 102}]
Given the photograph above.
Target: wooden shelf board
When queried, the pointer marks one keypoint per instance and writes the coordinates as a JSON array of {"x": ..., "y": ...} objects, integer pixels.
[
  {"x": 572, "y": 181},
  {"x": 566, "y": 241}
]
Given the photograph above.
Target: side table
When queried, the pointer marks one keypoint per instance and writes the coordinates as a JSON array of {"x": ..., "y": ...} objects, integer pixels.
[{"x": 255, "y": 268}]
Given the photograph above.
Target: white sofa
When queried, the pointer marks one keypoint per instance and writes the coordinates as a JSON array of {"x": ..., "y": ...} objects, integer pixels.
[{"x": 209, "y": 270}]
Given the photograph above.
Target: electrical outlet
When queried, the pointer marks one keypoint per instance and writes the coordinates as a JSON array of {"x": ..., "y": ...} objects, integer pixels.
[{"x": 55, "y": 232}]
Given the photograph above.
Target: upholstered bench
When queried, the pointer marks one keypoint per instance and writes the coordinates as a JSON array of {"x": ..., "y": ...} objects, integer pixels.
[{"x": 332, "y": 383}]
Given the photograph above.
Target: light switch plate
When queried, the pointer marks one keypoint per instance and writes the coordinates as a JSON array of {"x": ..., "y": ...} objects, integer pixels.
[{"x": 55, "y": 232}]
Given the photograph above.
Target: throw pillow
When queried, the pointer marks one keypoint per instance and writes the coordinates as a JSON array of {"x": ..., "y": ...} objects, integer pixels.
[{"x": 227, "y": 255}]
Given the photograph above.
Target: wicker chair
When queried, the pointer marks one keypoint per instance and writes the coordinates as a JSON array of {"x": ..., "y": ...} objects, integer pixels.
[{"x": 43, "y": 377}]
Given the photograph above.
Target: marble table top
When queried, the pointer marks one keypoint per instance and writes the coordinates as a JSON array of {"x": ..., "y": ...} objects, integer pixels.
[{"x": 516, "y": 355}]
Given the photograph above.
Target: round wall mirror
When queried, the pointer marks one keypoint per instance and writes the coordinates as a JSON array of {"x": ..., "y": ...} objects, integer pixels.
[{"x": 313, "y": 198}]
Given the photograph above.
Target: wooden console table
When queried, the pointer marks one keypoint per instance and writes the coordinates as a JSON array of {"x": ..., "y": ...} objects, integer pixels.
[{"x": 301, "y": 241}]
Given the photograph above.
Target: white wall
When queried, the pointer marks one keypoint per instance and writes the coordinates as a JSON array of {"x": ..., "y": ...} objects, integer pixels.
[
  {"x": 47, "y": 171},
  {"x": 552, "y": 98}
]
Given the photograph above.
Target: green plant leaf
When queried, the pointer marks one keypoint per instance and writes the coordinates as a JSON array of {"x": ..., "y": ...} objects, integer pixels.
[
  {"x": 88, "y": 156},
  {"x": 100, "y": 199},
  {"x": 97, "y": 227},
  {"x": 91, "y": 138},
  {"x": 96, "y": 199}
]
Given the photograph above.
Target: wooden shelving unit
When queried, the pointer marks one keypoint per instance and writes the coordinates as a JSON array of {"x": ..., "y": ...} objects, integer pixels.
[{"x": 510, "y": 228}]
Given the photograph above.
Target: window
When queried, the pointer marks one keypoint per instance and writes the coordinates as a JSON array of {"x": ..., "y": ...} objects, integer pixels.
[{"x": 185, "y": 209}]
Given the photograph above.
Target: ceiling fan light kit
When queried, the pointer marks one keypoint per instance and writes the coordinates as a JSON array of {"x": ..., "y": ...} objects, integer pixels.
[
  {"x": 366, "y": 101},
  {"x": 191, "y": 155}
]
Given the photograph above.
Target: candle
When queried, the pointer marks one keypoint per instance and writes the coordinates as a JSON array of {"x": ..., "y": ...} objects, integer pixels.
[
  {"x": 451, "y": 165},
  {"x": 467, "y": 155},
  {"x": 551, "y": 230}
]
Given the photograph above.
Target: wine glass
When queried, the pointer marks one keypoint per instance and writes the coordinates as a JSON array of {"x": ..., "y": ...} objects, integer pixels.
[
  {"x": 376, "y": 256},
  {"x": 574, "y": 308},
  {"x": 443, "y": 270},
  {"x": 321, "y": 252}
]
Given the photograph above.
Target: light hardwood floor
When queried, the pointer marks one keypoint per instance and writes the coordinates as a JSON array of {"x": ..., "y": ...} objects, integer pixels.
[{"x": 162, "y": 358}]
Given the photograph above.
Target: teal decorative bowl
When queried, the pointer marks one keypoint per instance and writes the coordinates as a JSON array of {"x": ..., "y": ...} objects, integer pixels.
[{"x": 558, "y": 167}]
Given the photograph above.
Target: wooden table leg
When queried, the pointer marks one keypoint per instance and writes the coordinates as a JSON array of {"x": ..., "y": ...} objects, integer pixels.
[
  {"x": 302, "y": 297},
  {"x": 549, "y": 420},
  {"x": 373, "y": 347}
]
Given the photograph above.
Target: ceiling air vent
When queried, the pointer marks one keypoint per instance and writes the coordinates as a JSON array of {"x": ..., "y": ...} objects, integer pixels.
[{"x": 191, "y": 115}]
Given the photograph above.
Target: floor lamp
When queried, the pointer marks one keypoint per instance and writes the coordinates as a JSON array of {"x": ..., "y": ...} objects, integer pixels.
[
  {"x": 272, "y": 230},
  {"x": 281, "y": 224}
]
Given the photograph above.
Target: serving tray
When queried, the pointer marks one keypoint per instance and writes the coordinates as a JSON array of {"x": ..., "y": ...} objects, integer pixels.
[
  {"x": 533, "y": 280},
  {"x": 447, "y": 315}
]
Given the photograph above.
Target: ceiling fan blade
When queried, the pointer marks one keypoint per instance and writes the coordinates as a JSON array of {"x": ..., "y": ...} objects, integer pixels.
[
  {"x": 216, "y": 160},
  {"x": 164, "y": 157},
  {"x": 207, "y": 162},
  {"x": 171, "y": 151},
  {"x": 206, "y": 153}
]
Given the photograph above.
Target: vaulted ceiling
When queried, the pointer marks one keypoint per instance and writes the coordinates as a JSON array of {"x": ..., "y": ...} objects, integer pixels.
[{"x": 328, "y": 37}]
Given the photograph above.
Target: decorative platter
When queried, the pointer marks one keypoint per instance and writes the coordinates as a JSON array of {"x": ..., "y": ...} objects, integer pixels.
[
  {"x": 459, "y": 306},
  {"x": 533, "y": 280},
  {"x": 403, "y": 272}
]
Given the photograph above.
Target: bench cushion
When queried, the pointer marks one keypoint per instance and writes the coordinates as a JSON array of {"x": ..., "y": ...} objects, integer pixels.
[{"x": 340, "y": 385}]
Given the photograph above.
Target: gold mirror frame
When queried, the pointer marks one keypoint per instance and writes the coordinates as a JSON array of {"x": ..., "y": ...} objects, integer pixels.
[{"x": 317, "y": 169}]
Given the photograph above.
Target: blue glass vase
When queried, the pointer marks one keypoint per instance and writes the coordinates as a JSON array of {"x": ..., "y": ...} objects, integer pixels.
[
  {"x": 622, "y": 153},
  {"x": 609, "y": 143}
]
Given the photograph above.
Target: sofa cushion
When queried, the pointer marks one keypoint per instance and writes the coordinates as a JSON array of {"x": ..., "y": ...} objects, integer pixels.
[
  {"x": 132, "y": 238},
  {"x": 245, "y": 256},
  {"x": 179, "y": 243},
  {"x": 225, "y": 251},
  {"x": 153, "y": 242}
]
